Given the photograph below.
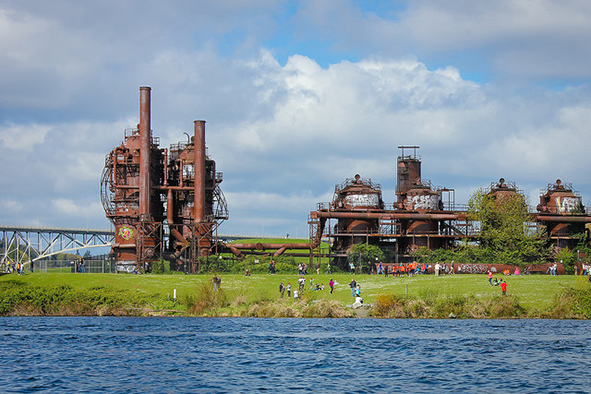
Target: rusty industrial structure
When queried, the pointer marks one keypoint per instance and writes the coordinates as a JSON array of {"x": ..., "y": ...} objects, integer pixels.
[
  {"x": 164, "y": 203},
  {"x": 167, "y": 204},
  {"x": 424, "y": 215}
]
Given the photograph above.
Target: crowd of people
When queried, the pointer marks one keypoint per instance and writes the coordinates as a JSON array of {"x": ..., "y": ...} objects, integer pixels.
[
  {"x": 17, "y": 268},
  {"x": 286, "y": 289}
]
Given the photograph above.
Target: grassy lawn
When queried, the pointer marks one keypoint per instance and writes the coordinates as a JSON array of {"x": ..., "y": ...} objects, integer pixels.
[{"x": 533, "y": 291}]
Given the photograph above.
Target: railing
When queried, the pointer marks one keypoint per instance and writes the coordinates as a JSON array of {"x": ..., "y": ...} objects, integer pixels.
[
  {"x": 95, "y": 266},
  {"x": 353, "y": 181}
]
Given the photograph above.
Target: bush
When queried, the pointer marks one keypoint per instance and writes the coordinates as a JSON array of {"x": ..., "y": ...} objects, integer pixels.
[
  {"x": 205, "y": 299},
  {"x": 432, "y": 307},
  {"x": 65, "y": 300},
  {"x": 571, "y": 303}
]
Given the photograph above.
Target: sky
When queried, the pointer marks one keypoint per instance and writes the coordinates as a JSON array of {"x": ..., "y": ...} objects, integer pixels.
[{"x": 298, "y": 96}]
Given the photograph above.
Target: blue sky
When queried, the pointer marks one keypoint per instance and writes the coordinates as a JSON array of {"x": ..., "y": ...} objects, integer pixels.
[{"x": 297, "y": 95}]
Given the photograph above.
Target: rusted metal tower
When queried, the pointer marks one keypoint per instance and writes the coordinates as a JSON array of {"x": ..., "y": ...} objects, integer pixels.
[
  {"x": 419, "y": 217},
  {"x": 162, "y": 205}
]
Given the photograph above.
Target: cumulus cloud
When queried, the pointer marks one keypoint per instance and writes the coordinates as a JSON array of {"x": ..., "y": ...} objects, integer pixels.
[
  {"x": 64, "y": 206},
  {"x": 286, "y": 129},
  {"x": 21, "y": 137},
  {"x": 518, "y": 39}
]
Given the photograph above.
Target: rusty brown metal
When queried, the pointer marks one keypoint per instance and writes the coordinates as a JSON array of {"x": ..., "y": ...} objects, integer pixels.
[
  {"x": 388, "y": 215},
  {"x": 145, "y": 189},
  {"x": 561, "y": 219},
  {"x": 559, "y": 198},
  {"x": 408, "y": 172},
  {"x": 145, "y": 131},
  {"x": 277, "y": 249},
  {"x": 199, "y": 183}
]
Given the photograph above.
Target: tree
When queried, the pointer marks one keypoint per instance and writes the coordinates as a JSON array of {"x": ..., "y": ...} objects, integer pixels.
[
  {"x": 506, "y": 234},
  {"x": 567, "y": 257},
  {"x": 365, "y": 256}
]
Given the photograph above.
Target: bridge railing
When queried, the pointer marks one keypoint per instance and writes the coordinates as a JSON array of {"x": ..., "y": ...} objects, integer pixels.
[{"x": 95, "y": 266}]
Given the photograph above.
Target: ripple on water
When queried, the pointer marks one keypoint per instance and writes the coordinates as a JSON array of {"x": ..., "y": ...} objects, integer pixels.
[{"x": 68, "y": 355}]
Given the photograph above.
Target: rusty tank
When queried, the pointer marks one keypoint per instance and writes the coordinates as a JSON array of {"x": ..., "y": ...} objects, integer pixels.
[
  {"x": 355, "y": 195},
  {"x": 562, "y": 212}
]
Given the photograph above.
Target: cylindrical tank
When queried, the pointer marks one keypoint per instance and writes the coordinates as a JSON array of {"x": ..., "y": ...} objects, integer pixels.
[
  {"x": 353, "y": 195},
  {"x": 422, "y": 199},
  {"x": 420, "y": 233},
  {"x": 502, "y": 189},
  {"x": 358, "y": 193},
  {"x": 559, "y": 198}
]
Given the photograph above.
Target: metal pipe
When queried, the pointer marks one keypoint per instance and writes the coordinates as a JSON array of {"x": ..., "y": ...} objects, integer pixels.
[
  {"x": 385, "y": 215},
  {"x": 165, "y": 167},
  {"x": 199, "y": 184},
  {"x": 279, "y": 252},
  {"x": 145, "y": 127},
  {"x": 265, "y": 246},
  {"x": 565, "y": 219},
  {"x": 169, "y": 208}
]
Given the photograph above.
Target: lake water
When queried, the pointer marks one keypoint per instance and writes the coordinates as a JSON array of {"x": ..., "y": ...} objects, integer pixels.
[{"x": 230, "y": 355}]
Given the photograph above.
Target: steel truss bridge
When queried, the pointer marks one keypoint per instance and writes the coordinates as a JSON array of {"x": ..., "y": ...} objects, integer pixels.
[{"x": 29, "y": 244}]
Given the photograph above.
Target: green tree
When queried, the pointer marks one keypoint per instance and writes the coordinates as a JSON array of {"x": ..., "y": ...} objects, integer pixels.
[
  {"x": 506, "y": 234},
  {"x": 365, "y": 256},
  {"x": 568, "y": 258}
]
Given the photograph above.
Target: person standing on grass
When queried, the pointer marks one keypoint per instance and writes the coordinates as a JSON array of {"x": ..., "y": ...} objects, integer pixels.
[
  {"x": 490, "y": 276},
  {"x": 331, "y": 284},
  {"x": 301, "y": 283},
  {"x": 353, "y": 286},
  {"x": 288, "y": 288},
  {"x": 281, "y": 289},
  {"x": 216, "y": 282},
  {"x": 504, "y": 287}
]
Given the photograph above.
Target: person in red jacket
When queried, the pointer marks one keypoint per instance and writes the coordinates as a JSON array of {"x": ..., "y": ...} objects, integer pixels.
[{"x": 504, "y": 287}]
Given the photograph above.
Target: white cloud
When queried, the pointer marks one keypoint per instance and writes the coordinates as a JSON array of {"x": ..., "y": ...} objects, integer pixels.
[
  {"x": 68, "y": 207},
  {"x": 11, "y": 205},
  {"x": 23, "y": 137},
  {"x": 285, "y": 132}
]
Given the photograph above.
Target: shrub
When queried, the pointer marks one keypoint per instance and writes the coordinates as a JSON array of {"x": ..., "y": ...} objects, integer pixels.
[{"x": 206, "y": 298}]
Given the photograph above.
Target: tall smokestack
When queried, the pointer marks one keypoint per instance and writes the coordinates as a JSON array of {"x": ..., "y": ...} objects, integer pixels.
[
  {"x": 199, "y": 146},
  {"x": 145, "y": 151}
]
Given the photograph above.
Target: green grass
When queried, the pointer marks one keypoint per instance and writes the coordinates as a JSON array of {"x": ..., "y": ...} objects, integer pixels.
[{"x": 534, "y": 292}]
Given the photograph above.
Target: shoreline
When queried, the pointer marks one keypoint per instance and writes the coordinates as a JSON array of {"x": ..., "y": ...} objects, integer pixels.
[{"x": 423, "y": 297}]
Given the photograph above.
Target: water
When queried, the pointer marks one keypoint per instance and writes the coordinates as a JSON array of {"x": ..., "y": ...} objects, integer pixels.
[{"x": 195, "y": 355}]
